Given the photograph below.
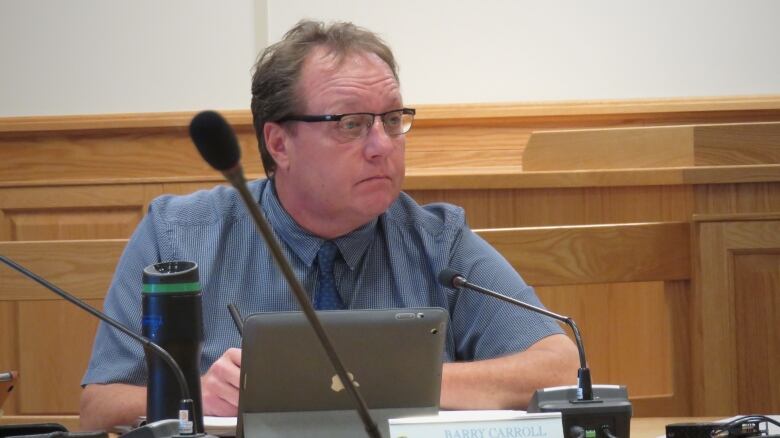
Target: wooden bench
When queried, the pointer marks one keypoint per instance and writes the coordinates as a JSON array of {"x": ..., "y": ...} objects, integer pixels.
[{"x": 53, "y": 340}]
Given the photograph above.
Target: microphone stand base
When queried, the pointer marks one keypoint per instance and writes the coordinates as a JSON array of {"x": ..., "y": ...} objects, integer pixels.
[
  {"x": 197, "y": 435},
  {"x": 162, "y": 429},
  {"x": 610, "y": 409}
]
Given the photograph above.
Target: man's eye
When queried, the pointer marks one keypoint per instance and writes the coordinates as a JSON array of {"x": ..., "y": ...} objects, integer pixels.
[
  {"x": 393, "y": 120},
  {"x": 350, "y": 124}
]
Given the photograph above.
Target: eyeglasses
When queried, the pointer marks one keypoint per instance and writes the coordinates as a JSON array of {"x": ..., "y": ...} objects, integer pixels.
[{"x": 356, "y": 125}]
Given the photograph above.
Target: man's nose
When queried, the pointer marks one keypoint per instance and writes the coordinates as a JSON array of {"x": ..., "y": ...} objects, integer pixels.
[{"x": 378, "y": 142}]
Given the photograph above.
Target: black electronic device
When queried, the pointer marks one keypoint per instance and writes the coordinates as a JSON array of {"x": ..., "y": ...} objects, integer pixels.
[
  {"x": 737, "y": 427},
  {"x": 607, "y": 415},
  {"x": 587, "y": 411}
]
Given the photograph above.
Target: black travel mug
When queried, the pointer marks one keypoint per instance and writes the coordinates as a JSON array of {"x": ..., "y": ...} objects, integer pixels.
[{"x": 173, "y": 319}]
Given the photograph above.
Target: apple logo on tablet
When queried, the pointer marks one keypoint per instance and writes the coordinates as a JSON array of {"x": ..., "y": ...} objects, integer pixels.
[{"x": 336, "y": 384}]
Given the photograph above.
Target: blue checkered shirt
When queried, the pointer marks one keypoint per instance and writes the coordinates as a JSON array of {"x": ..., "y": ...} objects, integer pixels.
[{"x": 391, "y": 262}]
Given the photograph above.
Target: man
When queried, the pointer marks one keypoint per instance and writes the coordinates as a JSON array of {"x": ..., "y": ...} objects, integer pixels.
[{"x": 330, "y": 121}]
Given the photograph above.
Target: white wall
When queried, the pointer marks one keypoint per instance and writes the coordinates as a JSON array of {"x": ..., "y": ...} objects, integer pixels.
[
  {"x": 115, "y": 56},
  {"x": 516, "y": 50},
  {"x": 109, "y": 56}
]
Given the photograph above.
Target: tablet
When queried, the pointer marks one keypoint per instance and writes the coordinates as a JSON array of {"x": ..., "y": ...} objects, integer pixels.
[{"x": 288, "y": 385}]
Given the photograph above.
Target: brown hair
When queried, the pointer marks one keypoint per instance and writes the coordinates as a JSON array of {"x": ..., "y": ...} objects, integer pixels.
[{"x": 279, "y": 66}]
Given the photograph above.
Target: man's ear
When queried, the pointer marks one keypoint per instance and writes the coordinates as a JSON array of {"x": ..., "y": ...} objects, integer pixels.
[{"x": 276, "y": 143}]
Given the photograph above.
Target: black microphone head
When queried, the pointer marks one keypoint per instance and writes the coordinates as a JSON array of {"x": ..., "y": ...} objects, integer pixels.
[
  {"x": 215, "y": 140},
  {"x": 447, "y": 278}
]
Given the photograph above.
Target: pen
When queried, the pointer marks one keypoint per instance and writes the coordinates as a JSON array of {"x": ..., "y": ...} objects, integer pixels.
[{"x": 236, "y": 318}]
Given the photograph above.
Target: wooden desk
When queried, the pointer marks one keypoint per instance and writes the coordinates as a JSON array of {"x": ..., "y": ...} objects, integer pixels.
[
  {"x": 650, "y": 427},
  {"x": 71, "y": 422}
]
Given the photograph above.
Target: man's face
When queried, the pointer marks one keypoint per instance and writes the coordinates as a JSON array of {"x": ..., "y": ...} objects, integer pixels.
[{"x": 322, "y": 175}]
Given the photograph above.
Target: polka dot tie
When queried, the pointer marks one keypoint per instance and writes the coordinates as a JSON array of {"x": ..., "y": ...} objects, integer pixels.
[{"x": 326, "y": 297}]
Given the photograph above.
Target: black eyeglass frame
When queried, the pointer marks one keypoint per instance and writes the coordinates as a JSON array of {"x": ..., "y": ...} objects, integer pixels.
[{"x": 337, "y": 117}]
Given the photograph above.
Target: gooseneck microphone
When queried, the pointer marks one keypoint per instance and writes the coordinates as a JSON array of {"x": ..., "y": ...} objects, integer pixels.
[
  {"x": 452, "y": 279},
  {"x": 582, "y": 413},
  {"x": 218, "y": 145},
  {"x": 186, "y": 410}
]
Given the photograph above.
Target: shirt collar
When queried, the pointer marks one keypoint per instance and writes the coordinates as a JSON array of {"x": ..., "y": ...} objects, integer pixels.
[{"x": 304, "y": 244}]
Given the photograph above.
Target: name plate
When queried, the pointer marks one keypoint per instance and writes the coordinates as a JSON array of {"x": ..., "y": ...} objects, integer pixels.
[{"x": 479, "y": 424}]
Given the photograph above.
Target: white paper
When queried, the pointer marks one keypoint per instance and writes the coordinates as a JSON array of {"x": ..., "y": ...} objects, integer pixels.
[
  {"x": 220, "y": 426},
  {"x": 480, "y": 415}
]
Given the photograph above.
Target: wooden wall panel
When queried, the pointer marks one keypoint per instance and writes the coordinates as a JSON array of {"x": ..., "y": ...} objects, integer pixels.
[
  {"x": 549, "y": 256},
  {"x": 9, "y": 346},
  {"x": 93, "y": 154},
  {"x": 761, "y": 197},
  {"x": 589, "y": 305},
  {"x": 635, "y": 334},
  {"x": 46, "y": 338},
  {"x": 73, "y": 212},
  {"x": 466, "y": 145},
  {"x": 504, "y": 208},
  {"x": 157, "y": 145},
  {"x": 639, "y": 314},
  {"x": 757, "y": 308},
  {"x": 678, "y": 312},
  {"x": 751, "y": 143},
  {"x": 27, "y": 197},
  {"x": 545, "y": 256},
  {"x": 651, "y": 147},
  {"x": 675, "y": 313},
  {"x": 643, "y": 112},
  {"x": 69, "y": 224},
  {"x": 526, "y": 207},
  {"x": 53, "y": 360},
  {"x": 619, "y": 148},
  {"x": 89, "y": 274},
  {"x": 83, "y": 268},
  {"x": 715, "y": 340},
  {"x": 635, "y": 341},
  {"x": 612, "y": 318}
]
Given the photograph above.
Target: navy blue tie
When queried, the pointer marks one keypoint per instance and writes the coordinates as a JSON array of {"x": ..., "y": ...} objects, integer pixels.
[{"x": 326, "y": 297}]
